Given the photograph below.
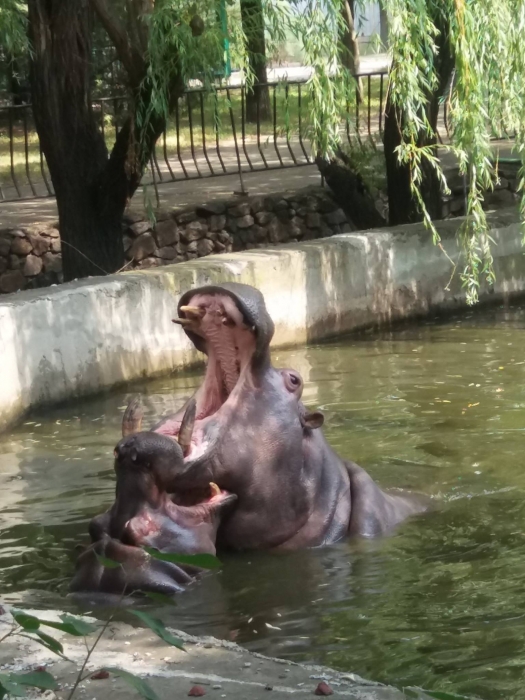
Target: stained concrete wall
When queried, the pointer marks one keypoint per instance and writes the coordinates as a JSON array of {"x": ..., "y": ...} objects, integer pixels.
[{"x": 79, "y": 338}]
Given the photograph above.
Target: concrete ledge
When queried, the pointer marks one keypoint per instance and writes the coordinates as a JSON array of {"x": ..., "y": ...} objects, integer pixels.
[
  {"x": 79, "y": 338},
  {"x": 221, "y": 668}
]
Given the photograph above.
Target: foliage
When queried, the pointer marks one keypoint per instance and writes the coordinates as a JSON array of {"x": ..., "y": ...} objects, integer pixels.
[{"x": 13, "y": 29}]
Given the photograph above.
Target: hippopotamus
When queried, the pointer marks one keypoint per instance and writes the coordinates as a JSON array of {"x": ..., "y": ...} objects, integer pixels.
[
  {"x": 145, "y": 514},
  {"x": 247, "y": 431}
]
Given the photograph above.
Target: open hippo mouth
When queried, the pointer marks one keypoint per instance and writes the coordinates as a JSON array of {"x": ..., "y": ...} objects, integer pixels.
[{"x": 229, "y": 323}]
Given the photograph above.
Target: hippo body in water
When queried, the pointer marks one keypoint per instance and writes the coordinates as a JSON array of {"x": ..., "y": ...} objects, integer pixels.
[{"x": 253, "y": 437}]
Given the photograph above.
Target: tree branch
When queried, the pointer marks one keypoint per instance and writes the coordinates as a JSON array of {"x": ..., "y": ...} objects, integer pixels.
[{"x": 130, "y": 57}]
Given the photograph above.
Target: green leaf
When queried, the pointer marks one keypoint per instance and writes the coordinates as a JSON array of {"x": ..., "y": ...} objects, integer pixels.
[
  {"x": 158, "y": 627},
  {"x": 28, "y": 622},
  {"x": 10, "y": 687},
  {"x": 107, "y": 563},
  {"x": 49, "y": 642},
  {"x": 202, "y": 561},
  {"x": 160, "y": 598},
  {"x": 36, "y": 679},
  {"x": 74, "y": 626},
  {"x": 138, "y": 684}
]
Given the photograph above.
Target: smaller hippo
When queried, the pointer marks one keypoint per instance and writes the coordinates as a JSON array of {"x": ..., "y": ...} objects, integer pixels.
[{"x": 144, "y": 514}]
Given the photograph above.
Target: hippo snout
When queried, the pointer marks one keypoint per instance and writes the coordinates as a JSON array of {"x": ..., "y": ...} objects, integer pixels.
[{"x": 148, "y": 449}]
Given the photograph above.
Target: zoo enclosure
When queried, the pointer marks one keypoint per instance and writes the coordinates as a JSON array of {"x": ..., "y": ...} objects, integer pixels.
[{"x": 208, "y": 135}]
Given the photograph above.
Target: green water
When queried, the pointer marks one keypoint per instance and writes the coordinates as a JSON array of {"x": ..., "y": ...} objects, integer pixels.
[{"x": 438, "y": 408}]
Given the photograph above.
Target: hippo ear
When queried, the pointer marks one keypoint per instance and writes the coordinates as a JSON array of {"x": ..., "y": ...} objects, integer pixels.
[{"x": 312, "y": 420}]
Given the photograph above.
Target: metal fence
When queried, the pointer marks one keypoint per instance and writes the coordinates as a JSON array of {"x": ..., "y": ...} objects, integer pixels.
[{"x": 209, "y": 135}]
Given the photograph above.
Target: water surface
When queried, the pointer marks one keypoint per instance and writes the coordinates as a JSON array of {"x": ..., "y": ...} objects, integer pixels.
[{"x": 438, "y": 408}]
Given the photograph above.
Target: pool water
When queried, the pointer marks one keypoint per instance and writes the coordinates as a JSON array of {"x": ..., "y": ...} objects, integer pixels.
[{"x": 437, "y": 408}]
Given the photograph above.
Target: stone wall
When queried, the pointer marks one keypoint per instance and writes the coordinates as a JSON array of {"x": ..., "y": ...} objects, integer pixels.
[
  {"x": 79, "y": 338},
  {"x": 31, "y": 258}
]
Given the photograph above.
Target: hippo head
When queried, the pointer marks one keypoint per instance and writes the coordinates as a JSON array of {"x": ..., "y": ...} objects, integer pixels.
[
  {"x": 230, "y": 324},
  {"x": 146, "y": 513}
]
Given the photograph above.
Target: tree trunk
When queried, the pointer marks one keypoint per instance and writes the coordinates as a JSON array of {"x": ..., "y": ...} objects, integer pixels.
[
  {"x": 350, "y": 191},
  {"x": 258, "y": 98},
  {"x": 350, "y": 56},
  {"x": 403, "y": 207},
  {"x": 75, "y": 151},
  {"x": 92, "y": 189}
]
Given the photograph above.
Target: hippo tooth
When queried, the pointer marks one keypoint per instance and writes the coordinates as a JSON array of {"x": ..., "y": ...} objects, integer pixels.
[
  {"x": 182, "y": 321},
  {"x": 195, "y": 311},
  {"x": 215, "y": 490},
  {"x": 186, "y": 427}
]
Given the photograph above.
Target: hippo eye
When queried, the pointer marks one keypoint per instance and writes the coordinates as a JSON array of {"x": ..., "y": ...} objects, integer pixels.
[{"x": 294, "y": 379}]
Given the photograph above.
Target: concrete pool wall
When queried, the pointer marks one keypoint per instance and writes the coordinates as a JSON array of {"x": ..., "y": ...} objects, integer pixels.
[{"x": 83, "y": 337}]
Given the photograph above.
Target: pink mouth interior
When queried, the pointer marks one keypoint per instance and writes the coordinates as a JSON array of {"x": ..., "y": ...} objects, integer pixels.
[{"x": 230, "y": 345}]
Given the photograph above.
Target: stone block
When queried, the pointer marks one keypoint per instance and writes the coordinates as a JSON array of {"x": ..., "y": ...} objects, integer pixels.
[
  {"x": 5, "y": 245},
  {"x": 3, "y": 264},
  {"x": 51, "y": 232},
  {"x": 276, "y": 232},
  {"x": 139, "y": 228},
  {"x": 336, "y": 217},
  {"x": 260, "y": 233},
  {"x": 33, "y": 266},
  {"x": 52, "y": 262},
  {"x": 12, "y": 281},
  {"x": 142, "y": 246},
  {"x": 194, "y": 231},
  {"x": 257, "y": 204},
  {"x": 216, "y": 222},
  {"x": 148, "y": 263},
  {"x": 225, "y": 237},
  {"x": 326, "y": 205},
  {"x": 166, "y": 253},
  {"x": 263, "y": 217},
  {"x": 186, "y": 217},
  {"x": 21, "y": 246},
  {"x": 166, "y": 233},
  {"x": 211, "y": 209},
  {"x": 245, "y": 221},
  {"x": 283, "y": 215},
  {"x": 40, "y": 244},
  {"x": 15, "y": 263},
  {"x": 313, "y": 220},
  {"x": 242, "y": 209},
  {"x": 204, "y": 247}
]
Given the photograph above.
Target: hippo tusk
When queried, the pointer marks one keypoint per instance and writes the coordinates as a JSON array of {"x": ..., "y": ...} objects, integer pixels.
[
  {"x": 193, "y": 311},
  {"x": 132, "y": 418},
  {"x": 182, "y": 321},
  {"x": 215, "y": 490},
  {"x": 186, "y": 427}
]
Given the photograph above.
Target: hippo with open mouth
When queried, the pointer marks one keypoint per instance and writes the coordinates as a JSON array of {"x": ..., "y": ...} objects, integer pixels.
[{"x": 247, "y": 431}]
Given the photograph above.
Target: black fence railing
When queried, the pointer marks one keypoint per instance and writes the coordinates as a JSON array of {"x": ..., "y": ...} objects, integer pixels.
[{"x": 209, "y": 134}]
